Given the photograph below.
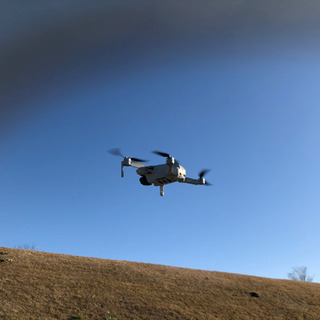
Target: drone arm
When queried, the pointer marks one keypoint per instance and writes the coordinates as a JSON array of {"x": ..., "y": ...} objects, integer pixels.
[
  {"x": 194, "y": 181},
  {"x": 136, "y": 164},
  {"x": 127, "y": 162}
]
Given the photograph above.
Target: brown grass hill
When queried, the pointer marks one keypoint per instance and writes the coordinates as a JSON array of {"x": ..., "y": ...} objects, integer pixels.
[{"x": 38, "y": 285}]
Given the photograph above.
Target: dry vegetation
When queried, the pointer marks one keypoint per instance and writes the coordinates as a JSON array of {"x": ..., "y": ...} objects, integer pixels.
[{"x": 38, "y": 285}]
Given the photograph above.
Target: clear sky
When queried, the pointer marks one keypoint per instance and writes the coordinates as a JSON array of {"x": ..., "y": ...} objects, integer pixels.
[{"x": 245, "y": 106}]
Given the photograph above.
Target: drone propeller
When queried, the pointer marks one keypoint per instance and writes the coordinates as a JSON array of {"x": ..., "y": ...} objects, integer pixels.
[
  {"x": 202, "y": 173},
  {"x": 162, "y": 154},
  {"x": 138, "y": 160},
  {"x": 117, "y": 152},
  {"x": 165, "y": 155}
]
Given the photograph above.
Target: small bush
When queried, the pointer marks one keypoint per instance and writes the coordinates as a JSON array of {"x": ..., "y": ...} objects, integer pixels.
[
  {"x": 300, "y": 274},
  {"x": 26, "y": 247}
]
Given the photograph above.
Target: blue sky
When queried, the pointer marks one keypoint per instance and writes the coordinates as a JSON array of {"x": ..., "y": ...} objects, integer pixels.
[{"x": 248, "y": 110}]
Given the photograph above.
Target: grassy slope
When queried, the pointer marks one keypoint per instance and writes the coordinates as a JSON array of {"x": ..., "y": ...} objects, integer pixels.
[{"x": 42, "y": 285}]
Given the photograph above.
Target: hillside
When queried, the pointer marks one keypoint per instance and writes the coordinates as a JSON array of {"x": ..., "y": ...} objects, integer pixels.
[{"x": 38, "y": 285}]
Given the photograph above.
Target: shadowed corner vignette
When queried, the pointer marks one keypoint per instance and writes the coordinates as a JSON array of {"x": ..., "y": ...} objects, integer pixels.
[{"x": 42, "y": 53}]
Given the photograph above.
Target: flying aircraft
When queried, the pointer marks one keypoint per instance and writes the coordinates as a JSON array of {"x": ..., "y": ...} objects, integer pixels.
[{"x": 162, "y": 174}]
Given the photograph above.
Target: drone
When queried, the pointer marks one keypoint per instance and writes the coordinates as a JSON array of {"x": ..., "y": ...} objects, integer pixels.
[{"x": 162, "y": 174}]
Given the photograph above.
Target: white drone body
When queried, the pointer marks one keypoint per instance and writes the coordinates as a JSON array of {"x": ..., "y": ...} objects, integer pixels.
[{"x": 160, "y": 175}]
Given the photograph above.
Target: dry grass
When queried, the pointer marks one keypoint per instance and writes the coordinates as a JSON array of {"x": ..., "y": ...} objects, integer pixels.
[{"x": 38, "y": 285}]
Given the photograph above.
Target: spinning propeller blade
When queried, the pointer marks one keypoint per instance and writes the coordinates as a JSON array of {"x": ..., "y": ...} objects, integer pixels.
[
  {"x": 138, "y": 160},
  {"x": 117, "y": 152},
  {"x": 162, "y": 154},
  {"x": 202, "y": 173}
]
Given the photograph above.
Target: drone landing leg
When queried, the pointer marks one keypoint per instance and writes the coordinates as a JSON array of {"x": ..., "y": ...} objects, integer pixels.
[{"x": 161, "y": 191}]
